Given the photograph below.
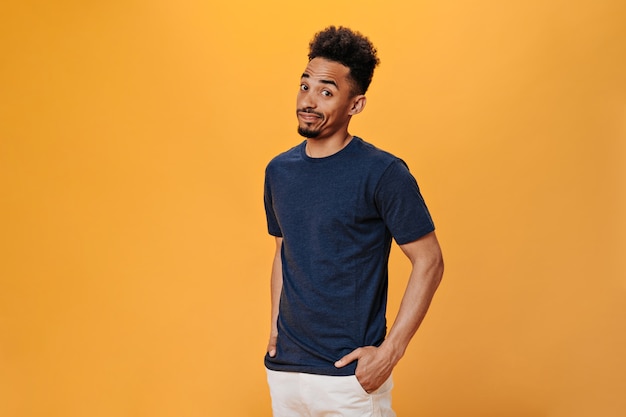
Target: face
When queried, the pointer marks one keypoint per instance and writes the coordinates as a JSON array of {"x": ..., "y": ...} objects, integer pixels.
[{"x": 325, "y": 101}]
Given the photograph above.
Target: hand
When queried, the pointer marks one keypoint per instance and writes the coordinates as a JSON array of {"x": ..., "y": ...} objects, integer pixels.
[
  {"x": 373, "y": 368},
  {"x": 271, "y": 345}
]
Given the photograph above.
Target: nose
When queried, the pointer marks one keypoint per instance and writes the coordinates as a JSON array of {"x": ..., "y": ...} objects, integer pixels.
[{"x": 306, "y": 101}]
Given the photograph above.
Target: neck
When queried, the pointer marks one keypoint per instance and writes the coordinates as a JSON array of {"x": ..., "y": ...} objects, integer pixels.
[{"x": 320, "y": 148}]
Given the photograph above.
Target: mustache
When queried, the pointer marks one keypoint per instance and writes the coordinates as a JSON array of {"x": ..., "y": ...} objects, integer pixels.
[{"x": 310, "y": 110}]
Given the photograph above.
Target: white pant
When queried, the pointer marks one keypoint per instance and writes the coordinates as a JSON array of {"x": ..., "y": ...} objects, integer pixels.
[{"x": 305, "y": 395}]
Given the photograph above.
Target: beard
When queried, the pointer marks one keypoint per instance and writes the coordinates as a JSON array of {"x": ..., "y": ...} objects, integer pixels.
[
  {"x": 308, "y": 133},
  {"x": 305, "y": 131}
]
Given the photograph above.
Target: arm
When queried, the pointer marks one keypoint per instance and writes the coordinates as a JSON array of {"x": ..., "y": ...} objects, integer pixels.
[
  {"x": 375, "y": 364},
  {"x": 276, "y": 287}
]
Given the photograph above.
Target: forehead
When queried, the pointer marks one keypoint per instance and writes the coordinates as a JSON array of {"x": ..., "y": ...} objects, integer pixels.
[{"x": 322, "y": 70}]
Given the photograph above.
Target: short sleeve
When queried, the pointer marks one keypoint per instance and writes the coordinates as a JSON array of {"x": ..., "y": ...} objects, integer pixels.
[
  {"x": 272, "y": 222},
  {"x": 401, "y": 205}
]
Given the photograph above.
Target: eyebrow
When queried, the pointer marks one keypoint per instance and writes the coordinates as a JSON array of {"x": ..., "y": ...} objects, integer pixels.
[{"x": 330, "y": 82}]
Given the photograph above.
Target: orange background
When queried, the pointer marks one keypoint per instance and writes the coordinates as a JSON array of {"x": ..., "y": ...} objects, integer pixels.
[{"x": 134, "y": 273}]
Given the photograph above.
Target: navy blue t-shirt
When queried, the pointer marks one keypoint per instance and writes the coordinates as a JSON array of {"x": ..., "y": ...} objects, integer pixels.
[{"x": 337, "y": 216}]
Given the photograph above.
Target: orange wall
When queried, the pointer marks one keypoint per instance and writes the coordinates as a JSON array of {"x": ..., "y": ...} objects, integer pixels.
[{"x": 134, "y": 257}]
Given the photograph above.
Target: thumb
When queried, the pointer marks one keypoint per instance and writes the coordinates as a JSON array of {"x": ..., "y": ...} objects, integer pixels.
[
  {"x": 349, "y": 358},
  {"x": 271, "y": 346}
]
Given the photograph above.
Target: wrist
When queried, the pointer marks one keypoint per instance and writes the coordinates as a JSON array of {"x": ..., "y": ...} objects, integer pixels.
[{"x": 394, "y": 351}]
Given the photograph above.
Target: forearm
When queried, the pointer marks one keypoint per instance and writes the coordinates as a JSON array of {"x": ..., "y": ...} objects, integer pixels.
[
  {"x": 424, "y": 280},
  {"x": 376, "y": 364},
  {"x": 276, "y": 286}
]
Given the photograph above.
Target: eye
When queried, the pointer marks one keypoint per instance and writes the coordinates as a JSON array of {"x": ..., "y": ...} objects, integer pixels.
[
  {"x": 303, "y": 87},
  {"x": 326, "y": 93}
]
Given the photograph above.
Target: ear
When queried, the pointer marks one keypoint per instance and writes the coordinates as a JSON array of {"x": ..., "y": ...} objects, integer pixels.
[{"x": 358, "y": 104}]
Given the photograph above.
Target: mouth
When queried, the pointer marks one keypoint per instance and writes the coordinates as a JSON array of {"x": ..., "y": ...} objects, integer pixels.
[{"x": 309, "y": 116}]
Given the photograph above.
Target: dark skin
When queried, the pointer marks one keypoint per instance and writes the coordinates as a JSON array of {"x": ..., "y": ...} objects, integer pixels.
[{"x": 326, "y": 103}]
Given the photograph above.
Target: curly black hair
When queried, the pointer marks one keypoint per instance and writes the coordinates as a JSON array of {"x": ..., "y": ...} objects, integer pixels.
[{"x": 349, "y": 48}]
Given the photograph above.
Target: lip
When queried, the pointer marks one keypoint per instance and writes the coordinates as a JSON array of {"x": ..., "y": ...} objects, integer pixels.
[{"x": 308, "y": 117}]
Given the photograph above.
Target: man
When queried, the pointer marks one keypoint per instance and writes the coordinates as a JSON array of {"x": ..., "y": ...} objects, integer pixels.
[{"x": 334, "y": 203}]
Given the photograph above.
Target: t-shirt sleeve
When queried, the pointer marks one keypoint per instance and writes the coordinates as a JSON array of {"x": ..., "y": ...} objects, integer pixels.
[
  {"x": 272, "y": 222},
  {"x": 401, "y": 204}
]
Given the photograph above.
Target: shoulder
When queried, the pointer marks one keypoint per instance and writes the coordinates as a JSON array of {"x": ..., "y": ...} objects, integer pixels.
[
  {"x": 390, "y": 170},
  {"x": 374, "y": 156},
  {"x": 289, "y": 156}
]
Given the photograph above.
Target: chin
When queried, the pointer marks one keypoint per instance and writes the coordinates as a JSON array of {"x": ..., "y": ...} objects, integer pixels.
[{"x": 308, "y": 133}]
